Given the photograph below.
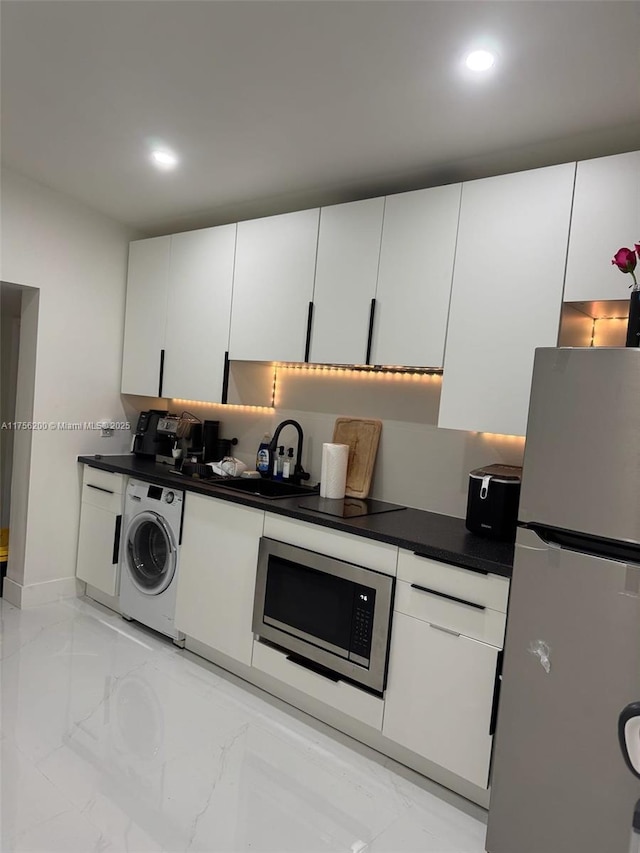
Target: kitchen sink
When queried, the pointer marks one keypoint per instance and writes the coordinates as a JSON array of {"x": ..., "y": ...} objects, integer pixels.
[{"x": 270, "y": 489}]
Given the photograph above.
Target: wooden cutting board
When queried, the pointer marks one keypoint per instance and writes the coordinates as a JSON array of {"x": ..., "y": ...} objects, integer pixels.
[{"x": 363, "y": 437}]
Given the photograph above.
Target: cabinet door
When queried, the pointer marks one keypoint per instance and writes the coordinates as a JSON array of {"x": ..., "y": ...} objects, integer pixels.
[
  {"x": 414, "y": 282},
  {"x": 145, "y": 316},
  {"x": 506, "y": 297},
  {"x": 273, "y": 286},
  {"x": 216, "y": 575},
  {"x": 439, "y": 697},
  {"x": 606, "y": 217},
  {"x": 346, "y": 274},
  {"x": 199, "y": 311},
  {"x": 98, "y": 548}
]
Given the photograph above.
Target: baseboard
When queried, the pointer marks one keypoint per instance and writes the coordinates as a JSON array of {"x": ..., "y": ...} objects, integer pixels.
[
  {"x": 45, "y": 592},
  {"x": 12, "y": 592}
]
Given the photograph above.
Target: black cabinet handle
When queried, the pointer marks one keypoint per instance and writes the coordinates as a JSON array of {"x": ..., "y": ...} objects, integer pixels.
[
  {"x": 448, "y": 597},
  {"x": 497, "y": 684},
  {"x": 372, "y": 314},
  {"x": 307, "y": 345},
  {"x": 99, "y": 489},
  {"x": 161, "y": 376},
  {"x": 314, "y": 667},
  {"x": 116, "y": 540},
  {"x": 225, "y": 379}
]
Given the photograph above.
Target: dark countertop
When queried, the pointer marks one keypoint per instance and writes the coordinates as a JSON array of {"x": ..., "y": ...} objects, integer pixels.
[{"x": 441, "y": 537}]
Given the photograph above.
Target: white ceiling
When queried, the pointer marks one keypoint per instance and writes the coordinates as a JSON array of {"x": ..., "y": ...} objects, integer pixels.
[{"x": 276, "y": 106}]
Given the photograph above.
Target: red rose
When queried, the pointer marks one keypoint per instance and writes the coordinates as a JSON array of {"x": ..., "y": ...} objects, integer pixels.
[{"x": 625, "y": 260}]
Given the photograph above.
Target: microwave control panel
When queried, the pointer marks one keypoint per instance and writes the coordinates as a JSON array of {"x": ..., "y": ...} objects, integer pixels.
[{"x": 363, "y": 608}]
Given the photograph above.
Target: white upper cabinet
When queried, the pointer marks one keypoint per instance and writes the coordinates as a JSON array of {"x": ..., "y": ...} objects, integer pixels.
[
  {"x": 146, "y": 312},
  {"x": 199, "y": 310},
  {"x": 414, "y": 281},
  {"x": 506, "y": 297},
  {"x": 273, "y": 286},
  {"x": 345, "y": 284},
  {"x": 178, "y": 312},
  {"x": 606, "y": 217}
]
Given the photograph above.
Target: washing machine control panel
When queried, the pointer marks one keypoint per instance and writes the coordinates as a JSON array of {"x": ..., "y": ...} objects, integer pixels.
[{"x": 155, "y": 495}]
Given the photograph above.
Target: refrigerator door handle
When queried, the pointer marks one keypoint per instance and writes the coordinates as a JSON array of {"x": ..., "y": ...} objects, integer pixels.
[
  {"x": 584, "y": 543},
  {"x": 629, "y": 735},
  {"x": 530, "y": 539}
]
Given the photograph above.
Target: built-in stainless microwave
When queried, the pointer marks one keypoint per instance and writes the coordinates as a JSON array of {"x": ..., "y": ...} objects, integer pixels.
[{"x": 333, "y": 614}]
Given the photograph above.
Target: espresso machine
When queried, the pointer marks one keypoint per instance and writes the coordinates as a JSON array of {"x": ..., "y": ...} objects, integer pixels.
[{"x": 148, "y": 442}]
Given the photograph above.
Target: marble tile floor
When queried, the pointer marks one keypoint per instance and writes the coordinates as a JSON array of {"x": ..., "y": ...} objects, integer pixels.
[{"x": 112, "y": 739}]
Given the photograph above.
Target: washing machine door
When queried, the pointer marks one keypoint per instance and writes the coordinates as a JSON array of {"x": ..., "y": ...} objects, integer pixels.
[{"x": 150, "y": 553}]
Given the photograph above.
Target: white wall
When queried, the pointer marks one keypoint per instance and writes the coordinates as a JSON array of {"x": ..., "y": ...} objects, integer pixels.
[{"x": 77, "y": 258}]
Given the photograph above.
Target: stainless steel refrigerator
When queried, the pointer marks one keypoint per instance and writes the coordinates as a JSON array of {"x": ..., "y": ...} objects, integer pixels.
[{"x": 572, "y": 649}]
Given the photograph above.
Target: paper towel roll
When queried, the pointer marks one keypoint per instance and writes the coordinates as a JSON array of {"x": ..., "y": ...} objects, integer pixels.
[{"x": 333, "y": 477}]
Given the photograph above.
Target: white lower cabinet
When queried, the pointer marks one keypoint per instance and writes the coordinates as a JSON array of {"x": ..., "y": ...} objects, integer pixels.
[
  {"x": 439, "y": 696},
  {"x": 100, "y": 527},
  {"x": 339, "y": 695},
  {"x": 217, "y": 574}
]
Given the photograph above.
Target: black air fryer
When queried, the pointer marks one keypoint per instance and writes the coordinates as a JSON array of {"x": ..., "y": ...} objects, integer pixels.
[{"x": 492, "y": 505}]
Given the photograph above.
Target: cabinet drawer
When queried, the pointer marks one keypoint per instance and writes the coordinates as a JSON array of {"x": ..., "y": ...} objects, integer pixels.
[
  {"x": 379, "y": 556},
  {"x": 337, "y": 694},
  {"x": 490, "y": 591},
  {"x": 103, "y": 489},
  {"x": 440, "y": 697},
  {"x": 479, "y": 623},
  {"x": 106, "y": 480}
]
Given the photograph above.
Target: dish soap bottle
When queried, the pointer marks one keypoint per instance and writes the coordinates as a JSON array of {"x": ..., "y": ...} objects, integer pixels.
[
  {"x": 263, "y": 461},
  {"x": 287, "y": 465},
  {"x": 278, "y": 463}
]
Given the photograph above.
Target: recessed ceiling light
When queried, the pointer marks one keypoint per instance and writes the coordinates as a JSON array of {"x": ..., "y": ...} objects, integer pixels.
[
  {"x": 163, "y": 158},
  {"x": 480, "y": 60}
]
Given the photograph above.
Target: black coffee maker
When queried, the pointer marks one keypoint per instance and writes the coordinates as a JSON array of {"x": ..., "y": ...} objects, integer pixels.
[
  {"x": 205, "y": 444},
  {"x": 147, "y": 442}
]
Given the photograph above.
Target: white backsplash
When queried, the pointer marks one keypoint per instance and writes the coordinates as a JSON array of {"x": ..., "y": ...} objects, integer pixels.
[{"x": 418, "y": 465}]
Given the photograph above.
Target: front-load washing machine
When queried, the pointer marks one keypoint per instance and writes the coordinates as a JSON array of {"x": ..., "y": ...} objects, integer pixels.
[{"x": 149, "y": 556}]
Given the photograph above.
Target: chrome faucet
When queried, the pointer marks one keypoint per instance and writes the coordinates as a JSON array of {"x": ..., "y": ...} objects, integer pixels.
[{"x": 298, "y": 472}]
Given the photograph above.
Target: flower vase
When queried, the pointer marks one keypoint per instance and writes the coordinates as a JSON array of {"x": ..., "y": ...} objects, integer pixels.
[{"x": 633, "y": 326}]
